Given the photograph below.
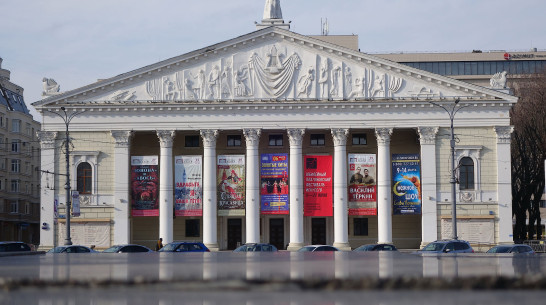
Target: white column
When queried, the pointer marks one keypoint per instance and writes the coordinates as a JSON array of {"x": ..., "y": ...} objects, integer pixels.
[
  {"x": 429, "y": 213},
  {"x": 166, "y": 189},
  {"x": 47, "y": 193},
  {"x": 384, "y": 199},
  {"x": 341, "y": 234},
  {"x": 504, "y": 184},
  {"x": 210, "y": 238},
  {"x": 252, "y": 137},
  {"x": 122, "y": 226},
  {"x": 295, "y": 137}
]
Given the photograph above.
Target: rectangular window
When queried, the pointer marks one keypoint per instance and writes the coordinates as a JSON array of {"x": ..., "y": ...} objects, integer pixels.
[
  {"x": 233, "y": 140},
  {"x": 192, "y": 141},
  {"x": 15, "y": 166},
  {"x": 360, "y": 139},
  {"x": 275, "y": 140},
  {"x": 192, "y": 228},
  {"x": 318, "y": 140},
  {"x": 16, "y": 146},
  {"x": 14, "y": 207},
  {"x": 27, "y": 208},
  {"x": 16, "y": 125},
  {"x": 14, "y": 186},
  {"x": 1, "y": 203},
  {"x": 360, "y": 226}
]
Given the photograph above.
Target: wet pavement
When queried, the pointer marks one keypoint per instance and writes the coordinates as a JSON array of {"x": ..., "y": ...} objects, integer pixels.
[{"x": 272, "y": 278}]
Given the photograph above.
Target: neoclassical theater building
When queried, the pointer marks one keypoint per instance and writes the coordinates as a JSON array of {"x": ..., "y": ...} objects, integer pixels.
[{"x": 275, "y": 137}]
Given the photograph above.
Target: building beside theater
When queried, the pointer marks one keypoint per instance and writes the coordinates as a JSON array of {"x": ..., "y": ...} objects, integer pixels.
[{"x": 277, "y": 137}]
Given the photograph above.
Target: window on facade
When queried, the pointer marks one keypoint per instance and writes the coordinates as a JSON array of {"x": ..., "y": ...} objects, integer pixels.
[
  {"x": 1, "y": 204},
  {"x": 16, "y": 146},
  {"x": 466, "y": 174},
  {"x": 84, "y": 178},
  {"x": 191, "y": 141},
  {"x": 27, "y": 208},
  {"x": 360, "y": 227},
  {"x": 360, "y": 139},
  {"x": 234, "y": 140},
  {"x": 14, "y": 206},
  {"x": 16, "y": 126},
  {"x": 15, "y": 186},
  {"x": 192, "y": 228},
  {"x": 15, "y": 166},
  {"x": 318, "y": 140},
  {"x": 275, "y": 140}
]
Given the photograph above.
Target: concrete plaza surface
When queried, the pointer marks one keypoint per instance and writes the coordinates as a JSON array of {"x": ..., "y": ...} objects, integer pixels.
[{"x": 272, "y": 278}]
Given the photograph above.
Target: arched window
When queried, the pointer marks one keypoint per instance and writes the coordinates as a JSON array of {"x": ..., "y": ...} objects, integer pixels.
[
  {"x": 466, "y": 174},
  {"x": 84, "y": 179}
]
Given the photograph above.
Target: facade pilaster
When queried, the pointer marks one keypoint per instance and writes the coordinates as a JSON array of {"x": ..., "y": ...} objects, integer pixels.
[
  {"x": 210, "y": 238},
  {"x": 341, "y": 234},
  {"x": 429, "y": 212},
  {"x": 384, "y": 200},
  {"x": 295, "y": 136},
  {"x": 166, "y": 189},
  {"x": 252, "y": 137},
  {"x": 504, "y": 189},
  {"x": 122, "y": 225},
  {"x": 47, "y": 193}
]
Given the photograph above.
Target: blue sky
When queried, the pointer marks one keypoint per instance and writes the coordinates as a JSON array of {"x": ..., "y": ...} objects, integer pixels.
[{"x": 77, "y": 42}]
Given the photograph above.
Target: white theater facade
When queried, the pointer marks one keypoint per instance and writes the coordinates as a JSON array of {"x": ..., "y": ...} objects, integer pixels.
[{"x": 260, "y": 138}]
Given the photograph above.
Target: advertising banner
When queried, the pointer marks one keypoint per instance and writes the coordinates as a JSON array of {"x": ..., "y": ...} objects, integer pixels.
[
  {"x": 406, "y": 174},
  {"x": 144, "y": 186},
  {"x": 274, "y": 184},
  {"x": 362, "y": 184},
  {"x": 188, "y": 186},
  {"x": 231, "y": 185},
  {"x": 318, "y": 191}
]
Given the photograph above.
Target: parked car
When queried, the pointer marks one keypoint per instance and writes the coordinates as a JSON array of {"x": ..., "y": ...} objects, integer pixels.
[
  {"x": 256, "y": 248},
  {"x": 14, "y": 246},
  {"x": 511, "y": 249},
  {"x": 376, "y": 247},
  {"x": 318, "y": 248},
  {"x": 184, "y": 246},
  {"x": 127, "y": 249},
  {"x": 448, "y": 246},
  {"x": 72, "y": 249}
]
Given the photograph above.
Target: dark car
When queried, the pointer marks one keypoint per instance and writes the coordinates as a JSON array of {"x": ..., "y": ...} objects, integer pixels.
[
  {"x": 184, "y": 246},
  {"x": 318, "y": 248},
  {"x": 72, "y": 249},
  {"x": 127, "y": 249},
  {"x": 511, "y": 249},
  {"x": 14, "y": 246},
  {"x": 256, "y": 248},
  {"x": 376, "y": 247},
  {"x": 448, "y": 246}
]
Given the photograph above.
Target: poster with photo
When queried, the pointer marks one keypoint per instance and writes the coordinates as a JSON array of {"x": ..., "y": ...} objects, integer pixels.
[
  {"x": 406, "y": 174},
  {"x": 188, "y": 186},
  {"x": 144, "y": 186},
  {"x": 230, "y": 179},
  {"x": 318, "y": 191},
  {"x": 362, "y": 191},
  {"x": 274, "y": 184}
]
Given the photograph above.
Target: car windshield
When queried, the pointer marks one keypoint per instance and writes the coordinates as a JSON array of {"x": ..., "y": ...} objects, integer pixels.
[
  {"x": 112, "y": 249},
  {"x": 434, "y": 247},
  {"x": 499, "y": 250},
  {"x": 365, "y": 248},
  {"x": 169, "y": 248},
  {"x": 306, "y": 249},
  {"x": 56, "y": 250}
]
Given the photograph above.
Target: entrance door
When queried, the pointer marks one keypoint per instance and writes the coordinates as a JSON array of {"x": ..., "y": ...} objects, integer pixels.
[
  {"x": 234, "y": 233},
  {"x": 276, "y": 233},
  {"x": 318, "y": 231}
]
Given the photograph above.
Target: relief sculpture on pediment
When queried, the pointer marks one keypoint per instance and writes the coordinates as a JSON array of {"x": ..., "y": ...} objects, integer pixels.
[
  {"x": 305, "y": 84},
  {"x": 324, "y": 76}
]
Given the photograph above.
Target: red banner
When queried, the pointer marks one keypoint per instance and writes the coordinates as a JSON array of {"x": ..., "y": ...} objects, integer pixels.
[{"x": 318, "y": 190}]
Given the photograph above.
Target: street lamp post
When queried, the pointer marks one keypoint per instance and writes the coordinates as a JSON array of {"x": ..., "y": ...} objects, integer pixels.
[{"x": 452, "y": 111}]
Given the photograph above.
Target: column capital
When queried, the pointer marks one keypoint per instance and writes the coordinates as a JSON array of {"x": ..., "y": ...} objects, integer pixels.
[
  {"x": 252, "y": 136},
  {"x": 166, "y": 137},
  {"x": 295, "y": 136},
  {"x": 383, "y": 135},
  {"x": 47, "y": 139},
  {"x": 427, "y": 135},
  {"x": 340, "y": 136},
  {"x": 504, "y": 134},
  {"x": 209, "y": 137},
  {"x": 122, "y": 138}
]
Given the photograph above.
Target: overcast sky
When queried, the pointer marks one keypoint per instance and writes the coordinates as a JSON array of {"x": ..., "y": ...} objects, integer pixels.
[{"x": 77, "y": 42}]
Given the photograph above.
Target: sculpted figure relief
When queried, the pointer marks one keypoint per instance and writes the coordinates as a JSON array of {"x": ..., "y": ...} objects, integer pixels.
[
  {"x": 323, "y": 78},
  {"x": 305, "y": 83},
  {"x": 241, "y": 76},
  {"x": 336, "y": 74},
  {"x": 214, "y": 82},
  {"x": 225, "y": 86},
  {"x": 377, "y": 85}
]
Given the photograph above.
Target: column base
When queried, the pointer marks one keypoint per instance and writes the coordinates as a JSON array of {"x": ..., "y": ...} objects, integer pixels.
[
  {"x": 343, "y": 246},
  {"x": 213, "y": 247},
  {"x": 294, "y": 246}
]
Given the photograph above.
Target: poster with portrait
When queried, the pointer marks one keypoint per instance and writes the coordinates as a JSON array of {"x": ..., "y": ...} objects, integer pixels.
[
  {"x": 362, "y": 184},
  {"x": 317, "y": 192},
  {"x": 144, "y": 186},
  {"x": 188, "y": 186},
  {"x": 274, "y": 184},
  {"x": 406, "y": 189},
  {"x": 230, "y": 179}
]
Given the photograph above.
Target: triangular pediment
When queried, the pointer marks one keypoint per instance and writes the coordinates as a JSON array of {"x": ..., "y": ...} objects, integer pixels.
[{"x": 274, "y": 64}]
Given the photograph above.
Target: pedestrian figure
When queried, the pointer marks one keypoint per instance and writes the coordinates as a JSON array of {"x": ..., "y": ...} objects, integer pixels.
[{"x": 159, "y": 244}]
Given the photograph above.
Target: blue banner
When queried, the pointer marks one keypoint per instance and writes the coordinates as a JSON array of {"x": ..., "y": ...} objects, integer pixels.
[
  {"x": 406, "y": 174},
  {"x": 274, "y": 184}
]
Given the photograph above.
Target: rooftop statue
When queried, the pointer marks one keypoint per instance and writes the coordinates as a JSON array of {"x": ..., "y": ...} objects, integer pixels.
[
  {"x": 50, "y": 86},
  {"x": 498, "y": 81},
  {"x": 272, "y": 9}
]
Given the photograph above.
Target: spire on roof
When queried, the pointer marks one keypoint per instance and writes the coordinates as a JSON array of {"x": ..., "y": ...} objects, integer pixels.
[{"x": 272, "y": 15}]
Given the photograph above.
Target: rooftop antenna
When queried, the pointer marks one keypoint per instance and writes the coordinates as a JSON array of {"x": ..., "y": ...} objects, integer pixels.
[{"x": 324, "y": 27}]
